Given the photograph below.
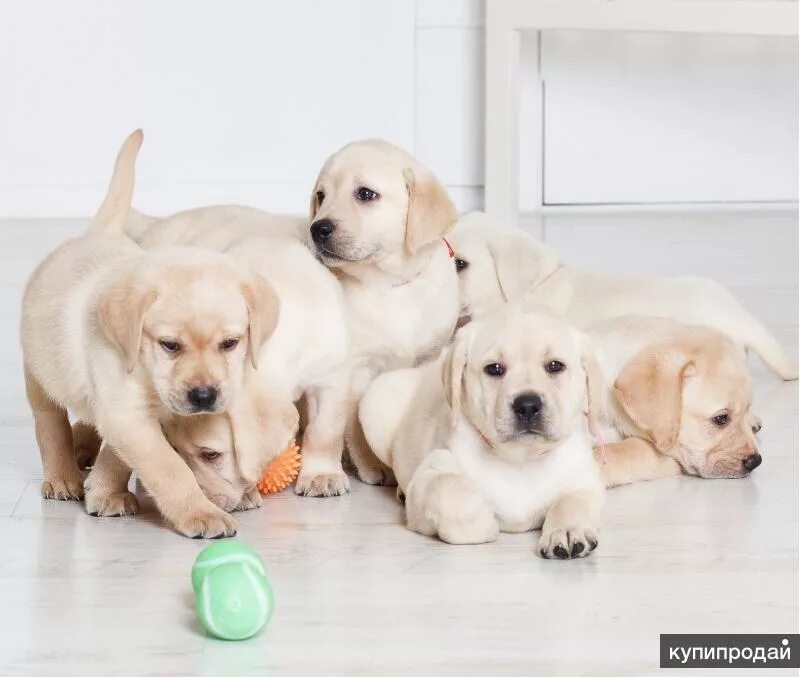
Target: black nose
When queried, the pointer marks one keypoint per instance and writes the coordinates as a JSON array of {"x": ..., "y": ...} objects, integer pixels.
[
  {"x": 752, "y": 462},
  {"x": 202, "y": 398},
  {"x": 527, "y": 406},
  {"x": 321, "y": 230}
]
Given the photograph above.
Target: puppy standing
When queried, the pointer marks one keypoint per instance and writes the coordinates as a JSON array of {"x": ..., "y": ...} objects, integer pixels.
[
  {"x": 125, "y": 341},
  {"x": 500, "y": 264},
  {"x": 378, "y": 221},
  {"x": 492, "y": 435},
  {"x": 680, "y": 395}
]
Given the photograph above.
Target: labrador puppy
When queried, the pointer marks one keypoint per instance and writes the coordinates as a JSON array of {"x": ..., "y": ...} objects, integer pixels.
[
  {"x": 679, "y": 396},
  {"x": 296, "y": 362},
  {"x": 126, "y": 340},
  {"x": 378, "y": 221},
  {"x": 492, "y": 435},
  {"x": 498, "y": 264}
]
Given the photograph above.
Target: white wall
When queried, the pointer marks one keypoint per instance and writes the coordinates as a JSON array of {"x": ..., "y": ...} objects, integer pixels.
[{"x": 241, "y": 102}]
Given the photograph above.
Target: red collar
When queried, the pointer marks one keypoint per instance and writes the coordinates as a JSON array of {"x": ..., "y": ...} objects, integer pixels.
[{"x": 449, "y": 248}]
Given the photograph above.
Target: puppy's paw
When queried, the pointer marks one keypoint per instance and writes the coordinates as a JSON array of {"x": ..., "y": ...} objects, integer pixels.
[
  {"x": 206, "y": 522},
  {"x": 63, "y": 488},
  {"x": 118, "y": 504},
  {"x": 567, "y": 543},
  {"x": 377, "y": 475},
  {"x": 324, "y": 484},
  {"x": 461, "y": 515},
  {"x": 251, "y": 500}
]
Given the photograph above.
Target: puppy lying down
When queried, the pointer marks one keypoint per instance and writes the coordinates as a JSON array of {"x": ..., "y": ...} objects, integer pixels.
[
  {"x": 498, "y": 264},
  {"x": 492, "y": 435},
  {"x": 680, "y": 396}
]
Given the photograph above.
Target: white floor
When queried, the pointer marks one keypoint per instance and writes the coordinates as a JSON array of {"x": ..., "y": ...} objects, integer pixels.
[{"x": 359, "y": 594}]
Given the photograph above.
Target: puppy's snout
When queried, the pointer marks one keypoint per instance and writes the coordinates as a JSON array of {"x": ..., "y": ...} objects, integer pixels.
[
  {"x": 321, "y": 230},
  {"x": 752, "y": 462},
  {"x": 202, "y": 398},
  {"x": 527, "y": 407}
]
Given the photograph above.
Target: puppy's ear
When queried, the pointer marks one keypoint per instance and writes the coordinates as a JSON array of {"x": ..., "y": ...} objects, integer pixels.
[
  {"x": 519, "y": 261},
  {"x": 431, "y": 214},
  {"x": 594, "y": 385},
  {"x": 453, "y": 372},
  {"x": 121, "y": 312},
  {"x": 263, "y": 309},
  {"x": 650, "y": 391}
]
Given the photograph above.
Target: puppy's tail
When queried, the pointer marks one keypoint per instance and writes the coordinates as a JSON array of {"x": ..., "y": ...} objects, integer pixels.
[
  {"x": 112, "y": 216},
  {"x": 758, "y": 338}
]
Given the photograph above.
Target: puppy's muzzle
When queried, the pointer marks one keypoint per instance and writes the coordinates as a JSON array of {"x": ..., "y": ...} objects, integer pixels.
[
  {"x": 527, "y": 408},
  {"x": 322, "y": 230},
  {"x": 203, "y": 398}
]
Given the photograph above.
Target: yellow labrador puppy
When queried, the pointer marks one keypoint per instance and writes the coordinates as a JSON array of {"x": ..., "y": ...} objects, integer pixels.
[
  {"x": 498, "y": 264},
  {"x": 378, "y": 219},
  {"x": 680, "y": 395},
  {"x": 305, "y": 357},
  {"x": 492, "y": 436},
  {"x": 127, "y": 340}
]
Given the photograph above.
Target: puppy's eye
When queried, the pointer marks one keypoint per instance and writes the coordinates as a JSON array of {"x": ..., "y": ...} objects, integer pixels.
[
  {"x": 320, "y": 197},
  {"x": 721, "y": 420},
  {"x": 229, "y": 344},
  {"x": 170, "y": 346},
  {"x": 461, "y": 264},
  {"x": 554, "y": 367},
  {"x": 494, "y": 369},
  {"x": 366, "y": 194},
  {"x": 210, "y": 455}
]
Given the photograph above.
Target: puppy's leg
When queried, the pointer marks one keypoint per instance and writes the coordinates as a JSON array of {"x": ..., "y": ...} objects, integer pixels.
[
  {"x": 321, "y": 473},
  {"x": 441, "y": 500},
  {"x": 62, "y": 477},
  {"x": 141, "y": 444},
  {"x": 86, "y": 443},
  {"x": 369, "y": 467},
  {"x": 106, "y": 486},
  {"x": 570, "y": 526},
  {"x": 634, "y": 460}
]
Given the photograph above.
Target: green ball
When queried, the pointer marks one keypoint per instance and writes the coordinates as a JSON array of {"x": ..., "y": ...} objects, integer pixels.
[
  {"x": 224, "y": 552},
  {"x": 234, "y": 601}
]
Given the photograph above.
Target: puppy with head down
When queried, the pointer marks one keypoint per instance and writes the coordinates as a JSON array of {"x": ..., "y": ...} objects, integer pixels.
[
  {"x": 680, "y": 395},
  {"x": 498, "y": 264},
  {"x": 493, "y": 435},
  {"x": 125, "y": 341}
]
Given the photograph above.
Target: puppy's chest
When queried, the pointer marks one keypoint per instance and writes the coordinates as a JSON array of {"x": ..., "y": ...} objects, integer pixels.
[
  {"x": 406, "y": 324},
  {"x": 521, "y": 493}
]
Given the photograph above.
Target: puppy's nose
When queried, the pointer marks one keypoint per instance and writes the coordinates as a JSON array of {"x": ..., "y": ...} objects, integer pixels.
[
  {"x": 752, "y": 462},
  {"x": 202, "y": 398},
  {"x": 321, "y": 230},
  {"x": 527, "y": 406}
]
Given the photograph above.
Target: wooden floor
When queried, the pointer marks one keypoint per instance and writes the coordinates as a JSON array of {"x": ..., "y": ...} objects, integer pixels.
[{"x": 357, "y": 593}]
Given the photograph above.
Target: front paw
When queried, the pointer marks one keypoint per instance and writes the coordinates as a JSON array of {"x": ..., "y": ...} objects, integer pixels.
[
  {"x": 63, "y": 488},
  {"x": 469, "y": 529},
  {"x": 377, "y": 475},
  {"x": 323, "y": 484},
  {"x": 117, "y": 504},
  {"x": 250, "y": 501},
  {"x": 567, "y": 543},
  {"x": 206, "y": 522}
]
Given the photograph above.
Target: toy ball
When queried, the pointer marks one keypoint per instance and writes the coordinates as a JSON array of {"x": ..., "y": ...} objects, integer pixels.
[
  {"x": 224, "y": 552},
  {"x": 234, "y": 601},
  {"x": 282, "y": 471},
  {"x": 233, "y": 597}
]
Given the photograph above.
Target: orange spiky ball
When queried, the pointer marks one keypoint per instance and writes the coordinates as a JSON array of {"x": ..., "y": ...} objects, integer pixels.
[{"x": 282, "y": 471}]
